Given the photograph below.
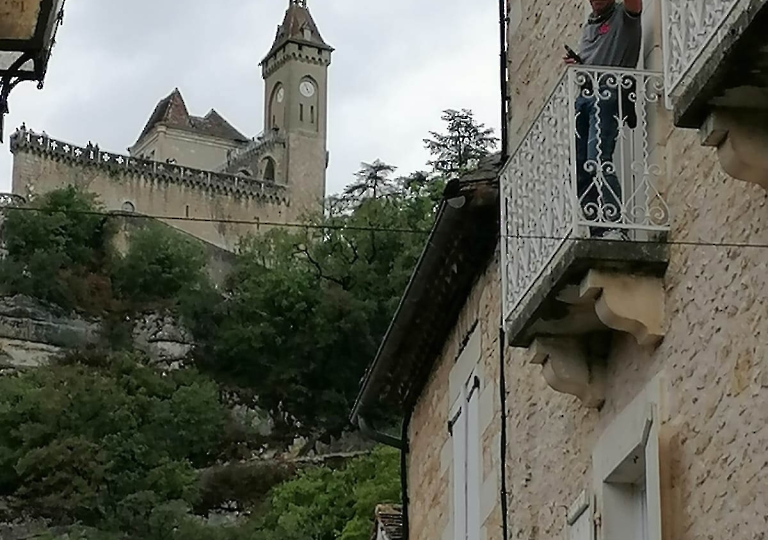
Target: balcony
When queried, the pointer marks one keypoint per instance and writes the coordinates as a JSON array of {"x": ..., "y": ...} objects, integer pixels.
[
  {"x": 584, "y": 223},
  {"x": 716, "y": 76}
]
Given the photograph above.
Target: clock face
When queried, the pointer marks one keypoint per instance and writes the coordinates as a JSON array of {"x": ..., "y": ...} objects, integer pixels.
[
  {"x": 307, "y": 89},
  {"x": 280, "y": 95}
]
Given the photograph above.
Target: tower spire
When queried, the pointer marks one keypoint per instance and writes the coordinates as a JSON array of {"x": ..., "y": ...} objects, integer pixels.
[{"x": 300, "y": 3}]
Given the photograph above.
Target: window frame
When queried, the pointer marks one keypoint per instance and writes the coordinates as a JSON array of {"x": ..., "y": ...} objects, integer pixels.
[{"x": 627, "y": 470}]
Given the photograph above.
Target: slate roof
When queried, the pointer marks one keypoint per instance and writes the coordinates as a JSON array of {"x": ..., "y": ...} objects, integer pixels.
[
  {"x": 297, "y": 18},
  {"x": 390, "y": 518},
  {"x": 172, "y": 112}
]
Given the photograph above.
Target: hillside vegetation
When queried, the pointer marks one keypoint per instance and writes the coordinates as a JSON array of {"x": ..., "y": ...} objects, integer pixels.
[{"x": 104, "y": 445}]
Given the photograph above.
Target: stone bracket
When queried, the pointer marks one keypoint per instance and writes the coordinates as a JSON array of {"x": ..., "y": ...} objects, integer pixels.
[
  {"x": 627, "y": 303},
  {"x": 568, "y": 369},
  {"x": 741, "y": 137}
]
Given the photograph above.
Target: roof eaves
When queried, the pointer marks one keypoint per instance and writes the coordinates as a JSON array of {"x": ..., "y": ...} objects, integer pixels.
[{"x": 475, "y": 187}]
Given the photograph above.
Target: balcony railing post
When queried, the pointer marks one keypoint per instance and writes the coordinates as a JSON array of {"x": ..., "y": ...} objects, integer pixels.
[{"x": 573, "y": 93}]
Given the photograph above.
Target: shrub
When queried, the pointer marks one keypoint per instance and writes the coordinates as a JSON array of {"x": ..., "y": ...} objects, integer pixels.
[
  {"x": 59, "y": 247},
  {"x": 160, "y": 264}
]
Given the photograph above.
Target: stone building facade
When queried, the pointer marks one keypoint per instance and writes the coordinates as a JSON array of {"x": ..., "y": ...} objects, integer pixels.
[
  {"x": 631, "y": 381},
  {"x": 200, "y": 174}
]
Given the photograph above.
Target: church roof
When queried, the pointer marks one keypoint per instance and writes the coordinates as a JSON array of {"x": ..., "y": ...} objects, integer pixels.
[
  {"x": 297, "y": 20},
  {"x": 172, "y": 112}
]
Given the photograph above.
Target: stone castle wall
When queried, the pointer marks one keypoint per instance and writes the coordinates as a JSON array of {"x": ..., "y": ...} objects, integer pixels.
[{"x": 195, "y": 201}]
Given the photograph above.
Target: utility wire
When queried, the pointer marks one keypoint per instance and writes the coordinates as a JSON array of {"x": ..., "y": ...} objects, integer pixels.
[{"x": 362, "y": 228}]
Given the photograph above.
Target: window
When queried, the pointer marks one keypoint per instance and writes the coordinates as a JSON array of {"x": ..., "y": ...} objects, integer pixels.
[
  {"x": 628, "y": 471},
  {"x": 128, "y": 207},
  {"x": 465, "y": 432},
  {"x": 301, "y": 112},
  {"x": 186, "y": 211},
  {"x": 312, "y": 114},
  {"x": 269, "y": 169}
]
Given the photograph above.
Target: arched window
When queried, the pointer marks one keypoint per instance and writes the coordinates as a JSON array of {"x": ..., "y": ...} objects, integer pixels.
[
  {"x": 269, "y": 169},
  {"x": 128, "y": 207},
  {"x": 276, "y": 113}
]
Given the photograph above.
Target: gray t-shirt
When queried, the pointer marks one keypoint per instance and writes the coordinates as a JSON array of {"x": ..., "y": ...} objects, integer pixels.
[{"x": 614, "y": 42}]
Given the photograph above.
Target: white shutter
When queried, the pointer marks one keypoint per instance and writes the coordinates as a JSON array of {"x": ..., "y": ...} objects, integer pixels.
[
  {"x": 580, "y": 530},
  {"x": 459, "y": 435},
  {"x": 653, "y": 481},
  {"x": 474, "y": 455},
  {"x": 580, "y": 523}
]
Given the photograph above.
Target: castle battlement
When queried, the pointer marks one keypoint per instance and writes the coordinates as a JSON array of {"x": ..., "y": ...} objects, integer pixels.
[
  {"x": 261, "y": 144},
  {"x": 25, "y": 140}
]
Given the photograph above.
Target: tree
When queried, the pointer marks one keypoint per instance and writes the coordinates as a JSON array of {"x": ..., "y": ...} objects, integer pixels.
[
  {"x": 327, "y": 504},
  {"x": 105, "y": 440},
  {"x": 305, "y": 310},
  {"x": 372, "y": 181},
  {"x": 462, "y": 146},
  {"x": 59, "y": 247},
  {"x": 160, "y": 264}
]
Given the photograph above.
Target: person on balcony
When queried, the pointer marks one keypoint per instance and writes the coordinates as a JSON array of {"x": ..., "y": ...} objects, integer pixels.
[{"x": 612, "y": 37}]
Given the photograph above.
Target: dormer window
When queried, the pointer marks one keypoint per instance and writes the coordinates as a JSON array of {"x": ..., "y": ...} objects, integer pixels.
[{"x": 307, "y": 33}]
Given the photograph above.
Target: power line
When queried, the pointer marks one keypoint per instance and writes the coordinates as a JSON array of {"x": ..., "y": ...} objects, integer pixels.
[{"x": 396, "y": 230}]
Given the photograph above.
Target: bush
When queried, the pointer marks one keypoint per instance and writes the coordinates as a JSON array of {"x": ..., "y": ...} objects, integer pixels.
[
  {"x": 105, "y": 439},
  {"x": 160, "y": 264},
  {"x": 328, "y": 504},
  {"x": 59, "y": 247}
]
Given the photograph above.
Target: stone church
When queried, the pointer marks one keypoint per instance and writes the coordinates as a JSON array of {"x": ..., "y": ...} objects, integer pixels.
[{"x": 198, "y": 173}]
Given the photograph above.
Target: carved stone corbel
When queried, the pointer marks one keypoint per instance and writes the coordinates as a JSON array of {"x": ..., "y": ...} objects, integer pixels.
[
  {"x": 628, "y": 303},
  {"x": 741, "y": 138},
  {"x": 567, "y": 369}
]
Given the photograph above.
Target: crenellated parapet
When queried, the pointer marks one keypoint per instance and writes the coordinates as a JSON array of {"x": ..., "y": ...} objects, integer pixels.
[
  {"x": 25, "y": 140},
  {"x": 262, "y": 144}
]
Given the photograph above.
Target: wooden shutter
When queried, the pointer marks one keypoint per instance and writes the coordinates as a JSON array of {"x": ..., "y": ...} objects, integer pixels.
[
  {"x": 458, "y": 430},
  {"x": 474, "y": 456},
  {"x": 580, "y": 522}
]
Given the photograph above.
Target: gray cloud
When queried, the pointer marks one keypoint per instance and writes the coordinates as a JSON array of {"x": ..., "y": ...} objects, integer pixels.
[{"x": 397, "y": 65}]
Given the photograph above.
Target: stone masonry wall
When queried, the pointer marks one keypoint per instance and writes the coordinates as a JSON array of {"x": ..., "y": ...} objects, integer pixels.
[
  {"x": 713, "y": 360},
  {"x": 150, "y": 194},
  {"x": 431, "y": 453}
]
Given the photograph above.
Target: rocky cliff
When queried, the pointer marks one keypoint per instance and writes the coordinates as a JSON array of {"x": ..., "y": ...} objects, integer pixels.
[{"x": 33, "y": 333}]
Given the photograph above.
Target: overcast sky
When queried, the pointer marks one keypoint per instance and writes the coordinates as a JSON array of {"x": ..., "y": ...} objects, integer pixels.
[{"x": 397, "y": 65}]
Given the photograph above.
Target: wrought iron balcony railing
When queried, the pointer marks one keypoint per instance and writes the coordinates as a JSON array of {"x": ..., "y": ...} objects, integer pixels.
[
  {"x": 689, "y": 27},
  {"x": 584, "y": 168}
]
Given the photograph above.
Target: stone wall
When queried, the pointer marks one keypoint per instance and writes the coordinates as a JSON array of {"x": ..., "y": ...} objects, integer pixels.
[
  {"x": 713, "y": 362},
  {"x": 219, "y": 261},
  {"x": 185, "y": 148},
  {"x": 200, "y": 202},
  {"x": 430, "y": 451}
]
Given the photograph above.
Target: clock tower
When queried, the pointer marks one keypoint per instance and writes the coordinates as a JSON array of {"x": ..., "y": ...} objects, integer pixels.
[{"x": 295, "y": 72}]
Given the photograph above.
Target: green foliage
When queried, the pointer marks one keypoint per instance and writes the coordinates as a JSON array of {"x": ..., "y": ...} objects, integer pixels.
[
  {"x": 58, "y": 250},
  {"x": 105, "y": 440},
  {"x": 306, "y": 310},
  {"x": 461, "y": 147},
  {"x": 160, "y": 264},
  {"x": 328, "y": 504},
  {"x": 116, "y": 449}
]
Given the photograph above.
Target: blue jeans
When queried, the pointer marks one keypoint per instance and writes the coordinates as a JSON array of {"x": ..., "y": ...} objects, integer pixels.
[{"x": 597, "y": 128}]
